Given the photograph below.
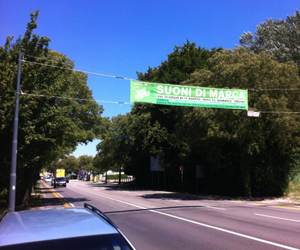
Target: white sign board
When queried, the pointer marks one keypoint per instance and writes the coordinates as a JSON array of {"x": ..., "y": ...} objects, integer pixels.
[
  {"x": 155, "y": 164},
  {"x": 252, "y": 113}
]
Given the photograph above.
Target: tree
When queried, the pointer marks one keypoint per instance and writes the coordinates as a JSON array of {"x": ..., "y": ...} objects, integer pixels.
[
  {"x": 279, "y": 38},
  {"x": 113, "y": 149},
  {"x": 57, "y": 110},
  {"x": 255, "y": 155},
  {"x": 239, "y": 155},
  {"x": 86, "y": 162},
  {"x": 153, "y": 125},
  {"x": 69, "y": 163}
]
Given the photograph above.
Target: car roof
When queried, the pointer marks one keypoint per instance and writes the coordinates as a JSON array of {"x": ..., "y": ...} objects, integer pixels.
[{"x": 48, "y": 224}]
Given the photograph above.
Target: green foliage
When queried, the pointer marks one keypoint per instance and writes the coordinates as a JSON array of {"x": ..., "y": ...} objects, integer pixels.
[
  {"x": 113, "y": 149},
  {"x": 152, "y": 127},
  {"x": 239, "y": 155},
  {"x": 293, "y": 191},
  {"x": 53, "y": 117},
  {"x": 116, "y": 176},
  {"x": 253, "y": 154},
  {"x": 86, "y": 162},
  {"x": 69, "y": 163},
  {"x": 279, "y": 38},
  {"x": 180, "y": 64},
  {"x": 3, "y": 201}
]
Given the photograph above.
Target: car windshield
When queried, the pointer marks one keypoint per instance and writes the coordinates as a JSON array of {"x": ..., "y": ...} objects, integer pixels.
[
  {"x": 101, "y": 242},
  {"x": 60, "y": 179}
]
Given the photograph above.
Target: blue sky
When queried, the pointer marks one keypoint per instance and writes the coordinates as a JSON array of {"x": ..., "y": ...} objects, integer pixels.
[{"x": 122, "y": 37}]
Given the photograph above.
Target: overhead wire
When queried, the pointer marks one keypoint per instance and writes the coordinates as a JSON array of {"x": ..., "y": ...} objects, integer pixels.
[
  {"x": 275, "y": 89},
  {"x": 279, "y": 112},
  {"x": 85, "y": 69},
  {"x": 125, "y": 78},
  {"x": 73, "y": 98},
  {"x": 75, "y": 70}
]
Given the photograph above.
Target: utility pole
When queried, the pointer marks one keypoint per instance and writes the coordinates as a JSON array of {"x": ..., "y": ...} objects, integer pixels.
[
  {"x": 13, "y": 174},
  {"x": 120, "y": 174},
  {"x": 181, "y": 168}
]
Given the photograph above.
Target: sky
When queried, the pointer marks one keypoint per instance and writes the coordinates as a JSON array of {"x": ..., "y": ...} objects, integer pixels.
[{"x": 121, "y": 37}]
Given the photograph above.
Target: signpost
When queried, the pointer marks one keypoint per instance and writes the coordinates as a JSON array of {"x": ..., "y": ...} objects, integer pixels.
[
  {"x": 180, "y": 95},
  {"x": 157, "y": 171},
  {"x": 181, "y": 168}
]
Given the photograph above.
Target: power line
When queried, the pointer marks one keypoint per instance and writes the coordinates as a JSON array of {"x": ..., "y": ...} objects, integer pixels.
[
  {"x": 279, "y": 112},
  {"x": 79, "y": 99},
  {"x": 125, "y": 78},
  {"x": 84, "y": 71},
  {"x": 72, "y": 98},
  {"x": 126, "y": 103},
  {"x": 276, "y": 89},
  {"x": 59, "y": 61}
]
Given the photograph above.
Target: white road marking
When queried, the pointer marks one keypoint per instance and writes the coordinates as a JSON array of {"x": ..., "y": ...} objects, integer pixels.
[
  {"x": 61, "y": 196},
  {"x": 218, "y": 208},
  {"x": 201, "y": 224},
  {"x": 278, "y": 218}
]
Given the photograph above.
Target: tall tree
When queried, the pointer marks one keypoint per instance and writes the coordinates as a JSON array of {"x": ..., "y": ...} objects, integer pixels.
[
  {"x": 113, "y": 149},
  {"x": 279, "y": 38},
  {"x": 154, "y": 126},
  {"x": 57, "y": 110},
  {"x": 255, "y": 155},
  {"x": 239, "y": 155},
  {"x": 86, "y": 162},
  {"x": 69, "y": 163}
]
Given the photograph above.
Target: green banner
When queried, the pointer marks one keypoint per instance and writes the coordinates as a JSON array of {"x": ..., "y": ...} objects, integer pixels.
[{"x": 179, "y": 95}]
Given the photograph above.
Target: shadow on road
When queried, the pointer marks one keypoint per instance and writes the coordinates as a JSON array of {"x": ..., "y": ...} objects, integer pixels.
[
  {"x": 41, "y": 199},
  {"x": 152, "y": 209},
  {"x": 158, "y": 194},
  {"x": 115, "y": 186}
]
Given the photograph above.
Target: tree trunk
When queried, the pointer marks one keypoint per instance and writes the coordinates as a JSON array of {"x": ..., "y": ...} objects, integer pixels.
[
  {"x": 246, "y": 179},
  {"x": 29, "y": 189}
]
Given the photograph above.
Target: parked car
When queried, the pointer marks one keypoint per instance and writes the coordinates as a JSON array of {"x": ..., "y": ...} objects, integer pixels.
[
  {"x": 63, "y": 228},
  {"x": 47, "y": 178},
  {"x": 67, "y": 179},
  {"x": 59, "y": 181}
]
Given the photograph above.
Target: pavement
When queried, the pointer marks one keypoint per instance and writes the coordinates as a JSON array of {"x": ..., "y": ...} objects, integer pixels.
[{"x": 46, "y": 197}]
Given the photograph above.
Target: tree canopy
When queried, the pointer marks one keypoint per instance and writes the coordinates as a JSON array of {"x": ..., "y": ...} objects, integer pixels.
[
  {"x": 238, "y": 155},
  {"x": 279, "y": 38},
  {"x": 113, "y": 150},
  {"x": 56, "y": 111},
  {"x": 242, "y": 153},
  {"x": 151, "y": 127}
]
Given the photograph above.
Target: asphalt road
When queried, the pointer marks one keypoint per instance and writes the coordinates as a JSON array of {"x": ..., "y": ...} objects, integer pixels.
[{"x": 166, "y": 220}]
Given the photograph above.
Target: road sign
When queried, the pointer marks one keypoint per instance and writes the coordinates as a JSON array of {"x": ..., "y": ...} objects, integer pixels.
[{"x": 252, "y": 113}]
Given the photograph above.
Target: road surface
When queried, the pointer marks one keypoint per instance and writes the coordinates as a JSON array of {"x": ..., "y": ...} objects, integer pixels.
[{"x": 167, "y": 220}]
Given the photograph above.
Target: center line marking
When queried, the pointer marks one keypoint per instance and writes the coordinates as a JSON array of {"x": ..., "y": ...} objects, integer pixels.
[{"x": 57, "y": 195}]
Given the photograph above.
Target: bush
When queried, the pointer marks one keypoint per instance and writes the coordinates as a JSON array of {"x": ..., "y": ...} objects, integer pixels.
[{"x": 3, "y": 200}]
